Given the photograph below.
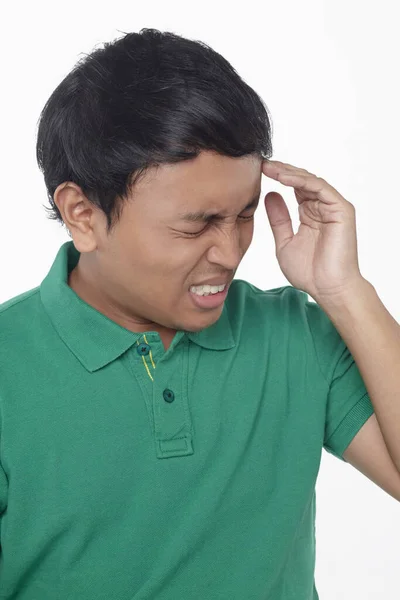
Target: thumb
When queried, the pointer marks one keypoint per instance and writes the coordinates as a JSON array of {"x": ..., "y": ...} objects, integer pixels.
[{"x": 279, "y": 219}]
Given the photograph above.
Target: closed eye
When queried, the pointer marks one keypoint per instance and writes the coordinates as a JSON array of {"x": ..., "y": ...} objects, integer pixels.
[{"x": 204, "y": 228}]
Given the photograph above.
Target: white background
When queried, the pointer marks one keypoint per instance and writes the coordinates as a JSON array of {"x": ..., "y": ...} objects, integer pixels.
[{"x": 329, "y": 74}]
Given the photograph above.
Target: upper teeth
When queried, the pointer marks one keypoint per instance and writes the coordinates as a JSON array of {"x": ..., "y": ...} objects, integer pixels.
[{"x": 202, "y": 290}]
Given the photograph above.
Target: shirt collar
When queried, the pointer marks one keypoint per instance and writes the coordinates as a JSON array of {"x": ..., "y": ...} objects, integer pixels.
[{"x": 95, "y": 339}]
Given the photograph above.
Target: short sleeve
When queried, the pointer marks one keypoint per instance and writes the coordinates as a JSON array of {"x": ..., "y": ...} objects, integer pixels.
[
  {"x": 348, "y": 404},
  {"x": 3, "y": 482},
  {"x": 3, "y": 490}
]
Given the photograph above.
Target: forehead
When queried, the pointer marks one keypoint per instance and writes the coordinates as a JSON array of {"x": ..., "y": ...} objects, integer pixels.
[{"x": 210, "y": 183}]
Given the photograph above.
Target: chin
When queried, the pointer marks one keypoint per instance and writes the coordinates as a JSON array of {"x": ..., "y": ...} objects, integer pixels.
[{"x": 201, "y": 324}]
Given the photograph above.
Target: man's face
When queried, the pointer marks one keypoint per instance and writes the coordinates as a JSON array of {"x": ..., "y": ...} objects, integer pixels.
[{"x": 143, "y": 269}]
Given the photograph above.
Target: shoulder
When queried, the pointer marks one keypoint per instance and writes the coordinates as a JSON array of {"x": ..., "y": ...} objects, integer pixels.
[
  {"x": 6, "y": 307},
  {"x": 286, "y": 316},
  {"x": 285, "y": 303},
  {"x": 20, "y": 304},
  {"x": 18, "y": 318},
  {"x": 246, "y": 300}
]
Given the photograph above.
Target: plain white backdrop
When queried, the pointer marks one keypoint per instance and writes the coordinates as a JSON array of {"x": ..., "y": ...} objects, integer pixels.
[{"x": 329, "y": 74}]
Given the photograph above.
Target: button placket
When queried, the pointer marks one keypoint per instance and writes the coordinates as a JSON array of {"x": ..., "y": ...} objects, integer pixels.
[{"x": 173, "y": 427}]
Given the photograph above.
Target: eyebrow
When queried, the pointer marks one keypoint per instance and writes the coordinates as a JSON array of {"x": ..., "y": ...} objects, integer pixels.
[{"x": 195, "y": 217}]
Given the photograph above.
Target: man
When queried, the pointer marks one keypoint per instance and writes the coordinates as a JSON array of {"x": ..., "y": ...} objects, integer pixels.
[{"x": 163, "y": 422}]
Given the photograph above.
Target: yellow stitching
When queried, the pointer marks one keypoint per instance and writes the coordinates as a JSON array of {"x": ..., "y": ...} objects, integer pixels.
[
  {"x": 145, "y": 364},
  {"x": 151, "y": 355},
  {"x": 144, "y": 361},
  {"x": 152, "y": 361}
]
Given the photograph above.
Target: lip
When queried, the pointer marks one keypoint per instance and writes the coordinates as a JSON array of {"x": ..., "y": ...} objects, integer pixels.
[{"x": 211, "y": 301}]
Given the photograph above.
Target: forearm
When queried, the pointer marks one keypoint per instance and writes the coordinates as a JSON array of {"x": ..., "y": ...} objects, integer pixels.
[{"x": 373, "y": 337}]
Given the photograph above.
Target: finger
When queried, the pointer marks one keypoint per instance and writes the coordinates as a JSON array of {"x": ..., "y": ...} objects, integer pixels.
[
  {"x": 276, "y": 165},
  {"x": 310, "y": 183},
  {"x": 279, "y": 219}
]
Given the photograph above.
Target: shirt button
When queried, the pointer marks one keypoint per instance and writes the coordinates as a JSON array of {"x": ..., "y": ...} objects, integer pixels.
[
  {"x": 169, "y": 395},
  {"x": 143, "y": 349}
]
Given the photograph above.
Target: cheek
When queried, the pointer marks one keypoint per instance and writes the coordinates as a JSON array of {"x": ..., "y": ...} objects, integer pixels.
[
  {"x": 168, "y": 264},
  {"x": 246, "y": 236}
]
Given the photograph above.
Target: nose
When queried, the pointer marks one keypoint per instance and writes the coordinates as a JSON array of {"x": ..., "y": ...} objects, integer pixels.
[{"x": 226, "y": 249}]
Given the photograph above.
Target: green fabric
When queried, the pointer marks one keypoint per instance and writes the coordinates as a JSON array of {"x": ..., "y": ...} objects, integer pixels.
[{"x": 131, "y": 473}]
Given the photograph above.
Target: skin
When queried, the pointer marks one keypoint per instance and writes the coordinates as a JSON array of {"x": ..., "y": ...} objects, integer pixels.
[{"x": 139, "y": 275}]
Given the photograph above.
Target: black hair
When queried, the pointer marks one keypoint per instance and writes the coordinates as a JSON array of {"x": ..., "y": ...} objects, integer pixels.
[{"x": 144, "y": 99}]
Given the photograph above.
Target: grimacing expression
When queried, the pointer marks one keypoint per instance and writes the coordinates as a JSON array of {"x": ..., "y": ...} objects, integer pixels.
[{"x": 140, "y": 274}]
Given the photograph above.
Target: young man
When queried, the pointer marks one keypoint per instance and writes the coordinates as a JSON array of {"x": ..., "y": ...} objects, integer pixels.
[{"x": 162, "y": 422}]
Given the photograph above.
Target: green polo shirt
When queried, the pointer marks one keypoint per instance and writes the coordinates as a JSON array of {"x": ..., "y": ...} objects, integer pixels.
[{"x": 133, "y": 473}]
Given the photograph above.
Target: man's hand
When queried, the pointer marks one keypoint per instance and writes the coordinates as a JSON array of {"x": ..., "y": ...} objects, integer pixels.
[{"x": 321, "y": 259}]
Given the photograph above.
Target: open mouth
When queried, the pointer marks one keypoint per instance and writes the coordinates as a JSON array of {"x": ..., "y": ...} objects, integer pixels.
[{"x": 209, "y": 300}]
